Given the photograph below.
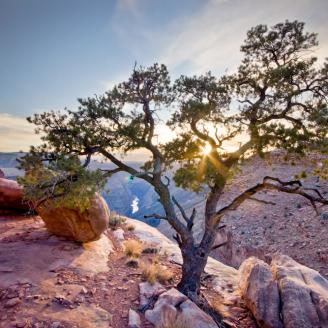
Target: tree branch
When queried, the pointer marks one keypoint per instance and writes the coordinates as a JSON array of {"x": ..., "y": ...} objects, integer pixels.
[
  {"x": 190, "y": 223},
  {"x": 201, "y": 135},
  {"x": 156, "y": 216},
  {"x": 177, "y": 238},
  {"x": 182, "y": 211},
  {"x": 219, "y": 245},
  {"x": 290, "y": 187},
  {"x": 113, "y": 171},
  {"x": 126, "y": 168},
  {"x": 234, "y": 156}
]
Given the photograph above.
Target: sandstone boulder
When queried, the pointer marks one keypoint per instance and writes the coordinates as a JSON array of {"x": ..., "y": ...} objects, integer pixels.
[
  {"x": 83, "y": 227},
  {"x": 260, "y": 292},
  {"x": 287, "y": 290},
  {"x": 11, "y": 196},
  {"x": 173, "y": 308},
  {"x": 304, "y": 294}
]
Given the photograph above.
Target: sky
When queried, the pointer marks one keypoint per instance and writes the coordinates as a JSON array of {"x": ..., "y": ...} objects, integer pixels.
[{"x": 55, "y": 51}]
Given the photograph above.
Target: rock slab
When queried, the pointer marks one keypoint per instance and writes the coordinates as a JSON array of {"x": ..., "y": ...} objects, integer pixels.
[
  {"x": 304, "y": 294},
  {"x": 172, "y": 307},
  {"x": 260, "y": 292},
  {"x": 287, "y": 290}
]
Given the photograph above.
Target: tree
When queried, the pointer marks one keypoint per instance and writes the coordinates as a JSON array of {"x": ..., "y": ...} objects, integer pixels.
[
  {"x": 282, "y": 97},
  {"x": 283, "y": 104}
]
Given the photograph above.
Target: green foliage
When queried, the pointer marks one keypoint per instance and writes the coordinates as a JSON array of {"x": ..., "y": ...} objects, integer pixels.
[
  {"x": 64, "y": 180},
  {"x": 302, "y": 175},
  {"x": 117, "y": 122},
  {"x": 196, "y": 175}
]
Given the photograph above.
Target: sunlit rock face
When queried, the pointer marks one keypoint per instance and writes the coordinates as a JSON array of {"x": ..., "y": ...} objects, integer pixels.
[
  {"x": 301, "y": 288},
  {"x": 285, "y": 294},
  {"x": 11, "y": 196},
  {"x": 81, "y": 227},
  {"x": 260, "y": 292}
]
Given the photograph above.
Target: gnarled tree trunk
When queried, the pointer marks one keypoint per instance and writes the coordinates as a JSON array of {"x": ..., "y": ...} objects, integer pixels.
[{"x": 195, "y": 256}]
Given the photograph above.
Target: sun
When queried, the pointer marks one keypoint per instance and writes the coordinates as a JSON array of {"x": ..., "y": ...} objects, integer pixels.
[{"x": 206, "y": 150}]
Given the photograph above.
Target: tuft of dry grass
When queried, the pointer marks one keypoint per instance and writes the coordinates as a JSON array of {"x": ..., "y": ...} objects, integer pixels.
[
  {"x": 219, "y": 307},
  {"x": 132, "y": 248},
  {"x": 170, "y": 319},
  {"x": 154, "y": 271}
]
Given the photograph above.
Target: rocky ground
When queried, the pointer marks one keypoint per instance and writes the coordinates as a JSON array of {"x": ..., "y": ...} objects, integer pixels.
[{"x": 48, "y": 281}]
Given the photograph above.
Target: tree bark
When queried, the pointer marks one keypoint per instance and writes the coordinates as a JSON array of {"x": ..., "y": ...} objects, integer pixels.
[
  {"x": 194, "y": 262},
  {"x": 195, "y": 256}
]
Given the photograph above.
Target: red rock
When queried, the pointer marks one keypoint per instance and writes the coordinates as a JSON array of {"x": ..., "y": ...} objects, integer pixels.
[
  {"x": 11, "y": 196},
  {"x": 260, "y": 292},
  {"x": 70, "y": 223}
]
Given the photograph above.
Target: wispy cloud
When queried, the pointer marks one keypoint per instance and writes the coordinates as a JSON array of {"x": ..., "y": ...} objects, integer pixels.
[
  {"x": 131, "y": 6},
  {"x": 189, "y": 41},
  {"x": 16, "y": 133},
  {"x": 210, "y": 38}
]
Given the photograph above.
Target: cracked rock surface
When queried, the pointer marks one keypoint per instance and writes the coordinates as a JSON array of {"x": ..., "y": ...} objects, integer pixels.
[{"x": 285, "y": 289}]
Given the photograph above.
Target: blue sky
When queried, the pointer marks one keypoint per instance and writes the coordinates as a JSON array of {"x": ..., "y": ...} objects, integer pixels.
[{"x": 54, "y": 51}]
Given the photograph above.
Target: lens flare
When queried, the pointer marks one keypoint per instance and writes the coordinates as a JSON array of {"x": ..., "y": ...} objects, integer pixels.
[{"x": 206, "y": 150}]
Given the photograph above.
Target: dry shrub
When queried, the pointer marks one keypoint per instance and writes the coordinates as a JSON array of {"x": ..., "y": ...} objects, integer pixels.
[
  {"x": 132, "y": 263},
  {"x": 164, "y": 274},
  {"x": 115, "y": 220},
  {"x": 130, "y": 227},
  {"x": 154, "y": 271},
  {"x": 132, "y": 248},
  {"x": 150, "y": 250}
]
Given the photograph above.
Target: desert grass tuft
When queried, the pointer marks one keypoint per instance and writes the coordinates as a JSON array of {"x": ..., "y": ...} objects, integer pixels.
[
  {"x": 219, "y": 307},
  {"x": 132, "y": 248},
  {"x": 154, "y": 271}
]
